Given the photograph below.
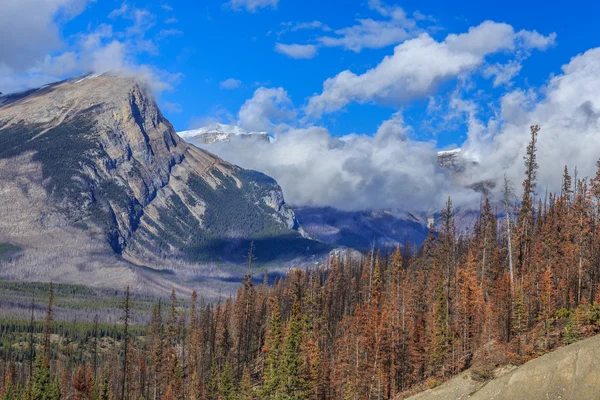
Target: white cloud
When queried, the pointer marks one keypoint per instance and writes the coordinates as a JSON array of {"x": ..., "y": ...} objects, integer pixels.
[
  {"x": 230, "y": 83},
  {"x": 298, "y": 26},
  {"x": 367, "y": 33},
  {"x": 308, "y": 25},
  {"x": 395, "y": 28},
  {"x": 267, "y": 108},
  {"x": 568, "y": 112},
  {"x": 374, "y": 34},
  {"x": 416, "y": 68},
  {"x": 353, "y": 172},
  {"x": 502, "y": 73},
  {"x": 119, "y": 12},
  {"x": 44, "y": 57},
  {"x": 28, "y": 31},
  {"x": 252, "y": 5},
  {"x": 297, "y": 50},
  {"x": 143, "y": 21},
  {"x": 535, "y": 40}
]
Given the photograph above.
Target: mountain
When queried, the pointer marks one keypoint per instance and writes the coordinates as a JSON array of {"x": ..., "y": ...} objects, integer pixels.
[
  {"x": 451, "y": 159},
  {"x": 569, "y": 373},
  {"x": 362, "y": 229},
  {"x": 220, "y": 133},
  {"x": 97, "y": 188}
]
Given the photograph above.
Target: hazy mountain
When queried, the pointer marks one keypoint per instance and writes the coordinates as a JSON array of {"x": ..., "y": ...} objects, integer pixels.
[
  {"x": 95, "y": 184},
  {"x": 362, "y": 229}
]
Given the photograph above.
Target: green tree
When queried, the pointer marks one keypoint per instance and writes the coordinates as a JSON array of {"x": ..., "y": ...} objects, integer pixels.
[
  {"x": 227, "y": 388},
  {"x": 42, "y": 386},
  {"x": 272, "y": 374},
  {"x": 293, "y": 382},
  {"x": 245, "y": 392}
]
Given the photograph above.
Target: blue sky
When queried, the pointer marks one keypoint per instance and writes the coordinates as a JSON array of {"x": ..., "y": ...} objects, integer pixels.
[
  {"x": 219, "y": 43},
  {"x": 209, "y": 42},
  {"x": 408, "y": 78}
]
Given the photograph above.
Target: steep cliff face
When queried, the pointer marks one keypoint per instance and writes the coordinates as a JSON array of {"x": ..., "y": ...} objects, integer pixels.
[{"x": 95, "y": 158}]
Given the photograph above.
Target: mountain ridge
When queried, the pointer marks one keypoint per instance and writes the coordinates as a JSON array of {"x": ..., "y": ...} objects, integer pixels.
[{"x": 94, "y": 157}]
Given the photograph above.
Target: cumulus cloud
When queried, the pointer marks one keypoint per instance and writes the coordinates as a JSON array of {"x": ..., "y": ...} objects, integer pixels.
[
  {"x": 266, "y": 110},
  {"x": 252, "y": 5},
  {"x": 354, "y": 172},
  {"x": 230, "y": 83},
  {"x": 568, "y": 112},
  {"x": 42, "y": 56},
  {"x": 297, "y": 50},
  {"x": 28, "y": 31},
  {"x": 417, "y": 67},
  {"x": 389, "y": 169}
]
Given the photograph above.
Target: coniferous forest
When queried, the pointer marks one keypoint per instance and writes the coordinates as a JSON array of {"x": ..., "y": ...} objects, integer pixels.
[{"x": 523, "y": 281}]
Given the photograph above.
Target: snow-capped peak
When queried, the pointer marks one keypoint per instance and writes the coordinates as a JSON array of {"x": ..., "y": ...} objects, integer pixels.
[
  {"x": 218, "y": 132},
  {"x": 449, "y": 152},
  {"x": 217, "y": 128}
]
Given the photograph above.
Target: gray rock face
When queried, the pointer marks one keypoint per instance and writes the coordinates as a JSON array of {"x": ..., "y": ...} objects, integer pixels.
[
  {"x": 569, "y": 373},
  {"x": 94, "y": 161}
]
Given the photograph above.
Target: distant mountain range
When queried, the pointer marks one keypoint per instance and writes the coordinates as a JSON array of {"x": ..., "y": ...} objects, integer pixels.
[
  {"x": 97, "y": 188},
  {"x": 220, "y": 133}
]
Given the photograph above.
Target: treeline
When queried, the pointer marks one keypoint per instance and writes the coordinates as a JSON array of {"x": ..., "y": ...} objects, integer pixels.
[{"x": 373, "y": 327}]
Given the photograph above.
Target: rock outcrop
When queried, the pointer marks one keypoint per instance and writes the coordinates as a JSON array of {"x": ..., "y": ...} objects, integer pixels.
[{"x": 569, "y": 373}]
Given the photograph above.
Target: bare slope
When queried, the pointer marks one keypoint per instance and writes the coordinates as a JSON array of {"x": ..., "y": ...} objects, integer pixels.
[
  {"x": 97, "y": 188},
  {"x": 569, "y": 373}
]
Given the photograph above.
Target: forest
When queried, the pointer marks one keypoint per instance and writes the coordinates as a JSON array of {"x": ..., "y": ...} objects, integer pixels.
[{"x": 522, "y": 282}]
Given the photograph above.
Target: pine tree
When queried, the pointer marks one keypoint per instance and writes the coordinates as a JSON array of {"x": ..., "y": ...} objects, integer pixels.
[
  {"x": 227, "y": 390},
  {"x": 293, "y": 384},
  {"x": 246, "y": 392},
  {"x": 43, "y": 387},
  {"x": 273, "y": 353}
]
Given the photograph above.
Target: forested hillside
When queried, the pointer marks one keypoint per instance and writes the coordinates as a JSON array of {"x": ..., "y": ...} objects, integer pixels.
[{"x": 373, "y": 327}]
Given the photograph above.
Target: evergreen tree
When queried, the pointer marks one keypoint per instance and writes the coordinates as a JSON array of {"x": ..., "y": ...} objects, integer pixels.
[
  {"x": 43, "y": 387},
  {"x": 293, "y": 384},
  {"x": 245, "y": 391},
  {"x": 227, "y": 390},
  {"x": 272, "y": 350}
]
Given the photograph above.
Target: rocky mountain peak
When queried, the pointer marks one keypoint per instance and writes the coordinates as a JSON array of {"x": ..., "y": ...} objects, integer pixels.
[{"x": 107, "y": 165}]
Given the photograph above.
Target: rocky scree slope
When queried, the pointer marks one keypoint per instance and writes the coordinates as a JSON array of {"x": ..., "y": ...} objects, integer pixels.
[{"x": 92, "y": 176}]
